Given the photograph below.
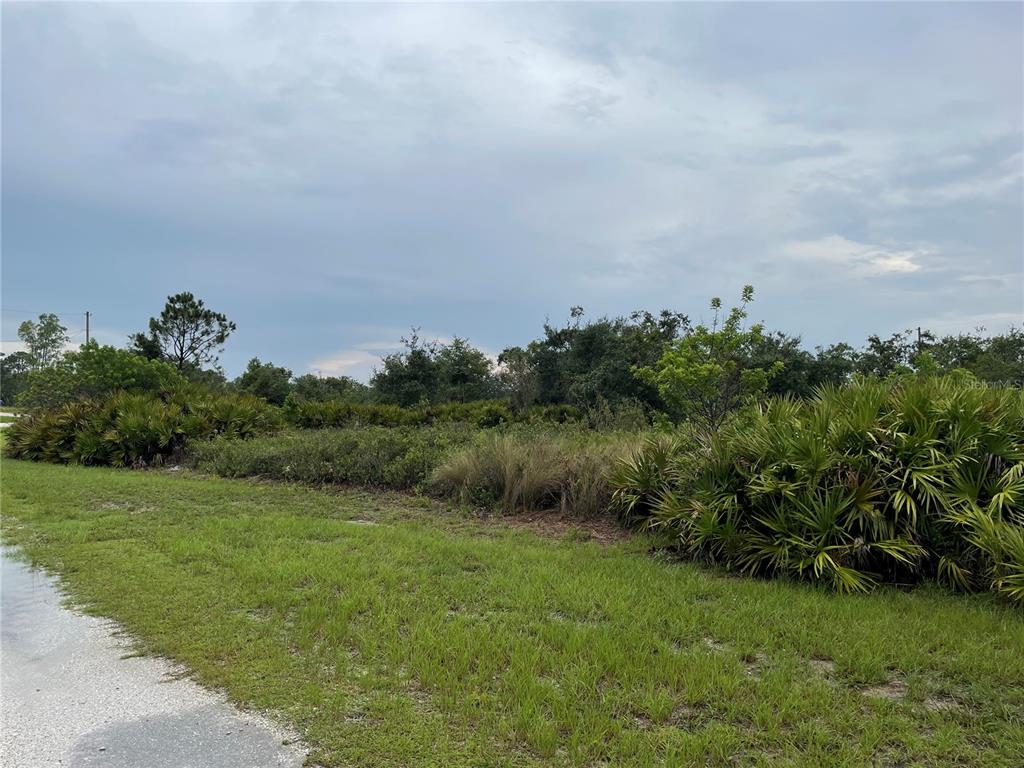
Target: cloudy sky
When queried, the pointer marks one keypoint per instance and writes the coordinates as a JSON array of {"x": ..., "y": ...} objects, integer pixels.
[{"x": 330, "y": 175}]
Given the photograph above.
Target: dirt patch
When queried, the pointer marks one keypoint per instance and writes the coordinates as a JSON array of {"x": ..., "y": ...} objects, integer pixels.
[
  {"x": 894, "y": 690},
  {"x": 560, "y": 525},
  {"x": 642, "y": 722},
  {"x": 752, "y": 665},
  {"x": 824, "y": 667},
  {"x": 941, "y": 704},
  {"x": 713, "y": 645},
  {"x": 686, "y": 715}
]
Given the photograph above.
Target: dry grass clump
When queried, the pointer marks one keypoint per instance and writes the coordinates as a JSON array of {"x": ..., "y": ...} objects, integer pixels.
[{"x": 536, "y": 470}]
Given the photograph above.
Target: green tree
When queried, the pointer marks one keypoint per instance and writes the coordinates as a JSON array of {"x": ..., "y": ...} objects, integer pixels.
[
  {"x": 590, "y": 364},
  {"x": 464, "y": 373},
  {"x": 14, "y": 370},
  {"x": 802, "y": 370},
  {"x": 834, "y": 364},
  {"x": 431, "y": 372},
  {"x": 187, "y": 334},
  {"x": 95, "y": 371},
  {"x": 45, "y": 339},
  {"x": 707, "y": 373},
  {"x": 894, "y": 355},
  {"x": 1003, "y": 359},
  {"x": 321, "y": 388},
  {"x": 409, "y": 377},
  {"x": 518, "y": 377},
  {"x": 998, "y": 358},
  {"x": 266, "y": 380}
]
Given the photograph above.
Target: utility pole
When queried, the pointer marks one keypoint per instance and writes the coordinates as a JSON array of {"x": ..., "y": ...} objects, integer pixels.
[{"x": 87, "y": 326}]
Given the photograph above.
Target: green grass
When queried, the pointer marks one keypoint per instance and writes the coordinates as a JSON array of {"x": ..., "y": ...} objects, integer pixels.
[
  {"x": 8, "y": 419},
  {"x": 433, "y": 639}
]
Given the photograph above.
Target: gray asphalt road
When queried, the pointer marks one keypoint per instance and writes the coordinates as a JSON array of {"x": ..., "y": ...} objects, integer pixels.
[{"x": 69, "y": 699}]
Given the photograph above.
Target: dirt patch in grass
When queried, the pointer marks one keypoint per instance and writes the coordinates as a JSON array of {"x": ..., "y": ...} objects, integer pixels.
[
  {"x": 559, "y": 525},
  {"x": 753, "y": 664},
  {"x": 894, "y": 690},
  {"x": 554, "y": 524},
  {"x": 941, "y": 704},
  {"x": 713, "y": 645},
  {"x": 824, "y": 667}
]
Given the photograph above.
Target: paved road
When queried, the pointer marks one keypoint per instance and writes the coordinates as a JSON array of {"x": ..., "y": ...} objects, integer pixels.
[{"x": 69, "y": 699}]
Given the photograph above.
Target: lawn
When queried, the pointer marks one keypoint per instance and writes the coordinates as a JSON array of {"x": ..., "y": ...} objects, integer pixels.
[{"x": 393, "y": 633}]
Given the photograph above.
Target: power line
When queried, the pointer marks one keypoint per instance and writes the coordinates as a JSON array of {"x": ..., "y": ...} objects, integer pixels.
[{"x": 13, "y": 310}]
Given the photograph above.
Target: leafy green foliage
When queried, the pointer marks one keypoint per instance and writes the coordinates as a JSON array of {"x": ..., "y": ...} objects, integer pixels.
[
  {"x": 585, "y": 364},
  {"x": 482, "y": 413},
  {"x": 96, "y": 371},
  {"x": 265, "y": 380},
  {"x": 801, "y": 371},
  {"x": 998, "y": 358},
  {"x": 137, "y": 429},
  {"x": 320, "y": 388},
  {"x": 707, "y": 373},
  {"x": 14, "y": 371},
  {"x": 398, "y": 458},
  {"x": 45, "y": 339},
  {"x": 432, "y": 372},
  {"x": 879, "y": 481},
  {"x": 643, "y": 479}
]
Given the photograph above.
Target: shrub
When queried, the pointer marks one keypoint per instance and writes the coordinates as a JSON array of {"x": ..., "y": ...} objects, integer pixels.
[
  {"x": 482, "y": 413},
  {"x": 134, "y": 429},
  {"x": 397, "y": 457},
  {"x": 94, "y": 372},
  {"x": 879, "y": 481}
]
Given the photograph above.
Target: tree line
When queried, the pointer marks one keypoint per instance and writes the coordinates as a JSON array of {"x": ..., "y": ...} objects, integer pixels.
[{"x": 657, "y": 363}]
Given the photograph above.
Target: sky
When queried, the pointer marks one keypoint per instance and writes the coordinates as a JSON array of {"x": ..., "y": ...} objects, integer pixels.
[{"x": 331, "y": 175}]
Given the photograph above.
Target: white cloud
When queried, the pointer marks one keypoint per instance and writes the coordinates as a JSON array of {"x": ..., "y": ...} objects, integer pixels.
[
  {"x": 855, "y": 259},
  {"x": 356, "y": 363},
  {"x": 992, "y": 322},
  {"x": 479, "y": 167}
]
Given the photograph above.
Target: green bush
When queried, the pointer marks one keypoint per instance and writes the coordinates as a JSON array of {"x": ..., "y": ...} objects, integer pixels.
[
  {"x": 94, "y": 372},
  {"x": 482, "y": 413},
  {"x": 134, "y": 429},
  {"x": 516, "y": 469},
  {"x": 878, "y": 481},
  {"x": 387, "y": 457}
]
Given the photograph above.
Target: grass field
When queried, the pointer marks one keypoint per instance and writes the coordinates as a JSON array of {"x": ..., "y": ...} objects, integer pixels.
[{"x": 393, "y": 633}]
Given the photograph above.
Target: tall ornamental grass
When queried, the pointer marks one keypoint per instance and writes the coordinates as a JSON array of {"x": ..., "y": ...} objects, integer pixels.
[{"x": 534, "y": 470}]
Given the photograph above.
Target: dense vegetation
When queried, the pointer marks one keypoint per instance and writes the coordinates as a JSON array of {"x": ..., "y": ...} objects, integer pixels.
[
  {"x": 138, "y": 429},
  {"x": 876, "y": 481},
  {"x": 586, "y": 364},
  {"x": 482, "y": 413},
  {"x": 845, "y": 467},
  {"x": 399, "y": 458}
]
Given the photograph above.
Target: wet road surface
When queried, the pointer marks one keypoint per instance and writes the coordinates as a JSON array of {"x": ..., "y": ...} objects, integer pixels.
[{"x": 69, "y": 699}]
